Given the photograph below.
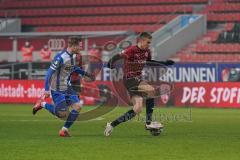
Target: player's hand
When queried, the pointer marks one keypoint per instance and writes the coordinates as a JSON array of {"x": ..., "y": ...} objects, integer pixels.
[
  {"x": 170, "y": 62},
  {"x": 46, "y": 94}
]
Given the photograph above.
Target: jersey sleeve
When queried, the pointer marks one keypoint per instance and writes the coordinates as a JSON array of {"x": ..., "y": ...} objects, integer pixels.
[
  {"x": 79, "y": 60},
  {"x": 128, "y": 53},
  {"x": 79, "y": 71},
  {"x": 56, "y": 63},
  {"x": 48, "y": 78},
  {"x": 149, "y": 55}
]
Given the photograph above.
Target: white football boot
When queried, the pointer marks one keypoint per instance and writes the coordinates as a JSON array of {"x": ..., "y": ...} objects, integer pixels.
[
  {"x": 108, "y": 130},
  {"x": 154, "y": 125}
]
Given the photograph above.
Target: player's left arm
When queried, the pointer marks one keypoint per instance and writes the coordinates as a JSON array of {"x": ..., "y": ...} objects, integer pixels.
[
  {"x": 127, "y": 54},
  {"x": 115, "y": 58}
]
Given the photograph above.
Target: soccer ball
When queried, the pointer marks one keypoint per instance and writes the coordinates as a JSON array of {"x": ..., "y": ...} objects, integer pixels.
[{"x": 156, "y": 132}]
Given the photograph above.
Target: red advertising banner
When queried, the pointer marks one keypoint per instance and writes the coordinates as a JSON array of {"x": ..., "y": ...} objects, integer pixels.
[
  {"x": 28, "y": 91},
  {"x": 20, "y": 91},
  {"x": 217, "y": 95}
]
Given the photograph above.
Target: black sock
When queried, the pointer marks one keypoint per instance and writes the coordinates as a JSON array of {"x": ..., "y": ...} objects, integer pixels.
[
  {"x": 127, "y": 116},
  {"x": 149, "y": 110}
]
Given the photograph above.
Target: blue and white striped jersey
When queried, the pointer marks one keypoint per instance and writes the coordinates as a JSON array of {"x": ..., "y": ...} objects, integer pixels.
[{"x": 59, "y": 73}]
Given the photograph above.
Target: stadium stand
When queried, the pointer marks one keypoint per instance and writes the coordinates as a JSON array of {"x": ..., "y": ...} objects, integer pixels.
[
  {"x": 221, "y": 43},
  {"x": 93, "y": 15},
  {"x": 14, "y": 4},
  {"x": 45, "y": 16}
]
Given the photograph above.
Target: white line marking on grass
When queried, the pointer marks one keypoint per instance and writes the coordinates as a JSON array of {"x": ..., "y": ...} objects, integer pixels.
[
  {"x": 97, "y": 119},
  {"x": 56, "y": 120},
  {"x": 27, "y": 120}
]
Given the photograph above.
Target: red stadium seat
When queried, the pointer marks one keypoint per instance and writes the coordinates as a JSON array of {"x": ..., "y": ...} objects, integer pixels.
[
  {"x": 223, "y": 17},
  {"x": 74, "y": 3},
  {"x": 136, "y": 15},
  {"x": 137, "y": 28},
  {"x": 86, "y": 20},
  {"x": 62, "y": 13},
  {"x": 35, "y": 12}
]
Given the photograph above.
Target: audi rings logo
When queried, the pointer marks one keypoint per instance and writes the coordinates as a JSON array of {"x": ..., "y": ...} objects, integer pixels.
[
  {"x": 111, "y": 45},
  {"x": 56, "y": 44}
]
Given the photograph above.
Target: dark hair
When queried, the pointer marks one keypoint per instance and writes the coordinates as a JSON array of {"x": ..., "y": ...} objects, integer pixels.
[
  {"x": 74, "y": 41},
  {"x": 145, "y": 35}
]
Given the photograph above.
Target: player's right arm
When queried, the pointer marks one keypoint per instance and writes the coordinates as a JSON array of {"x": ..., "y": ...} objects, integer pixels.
[
  {"x": 126, "y": 54},
  {"x": 56, "y": 63},
  {"x": 47, "y": 82},
  {"x": 111, "y": 62}
]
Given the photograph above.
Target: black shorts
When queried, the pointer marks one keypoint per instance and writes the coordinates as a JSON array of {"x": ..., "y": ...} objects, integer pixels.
[{"x": 131, "y": 85}]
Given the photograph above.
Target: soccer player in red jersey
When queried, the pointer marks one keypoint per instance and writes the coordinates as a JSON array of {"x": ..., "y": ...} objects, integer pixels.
[
  {"x": 135, "y": 58},
  {"x": 76, "y": 78}
]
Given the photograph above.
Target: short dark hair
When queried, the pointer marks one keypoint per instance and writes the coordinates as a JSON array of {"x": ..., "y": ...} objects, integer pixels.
[
  {"x": 74, "y": 40},
  {"x": 145, "y": 35}
]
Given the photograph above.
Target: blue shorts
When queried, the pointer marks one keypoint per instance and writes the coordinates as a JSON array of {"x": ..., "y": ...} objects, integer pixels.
[{"x": 63, "y": 99}]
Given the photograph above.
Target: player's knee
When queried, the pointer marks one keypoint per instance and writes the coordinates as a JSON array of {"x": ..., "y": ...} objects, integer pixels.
[
  {"x": 62, "y": 115},
  {"x": 77, "y": 107},
  {"x": 151, "y": 92},
  {"x": 61, "y": 110},
  {"x": 137, "y": 108}
]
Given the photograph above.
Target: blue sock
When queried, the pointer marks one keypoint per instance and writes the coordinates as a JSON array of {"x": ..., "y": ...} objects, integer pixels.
[
  {"x": 71, "y": 118},
  {"x": 50, "y": 108}
]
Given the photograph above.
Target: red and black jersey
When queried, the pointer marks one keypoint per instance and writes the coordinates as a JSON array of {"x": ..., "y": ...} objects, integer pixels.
[
  {"x": 135, "y": 60},
  {"x": 76, "y": 76}
]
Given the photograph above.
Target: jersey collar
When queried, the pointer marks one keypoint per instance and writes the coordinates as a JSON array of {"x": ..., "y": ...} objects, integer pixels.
[{"x": 68, "y": 53}]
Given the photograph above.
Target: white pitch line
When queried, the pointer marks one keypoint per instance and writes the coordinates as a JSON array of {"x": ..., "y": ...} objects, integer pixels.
[
  {"x": 57, "y": 120},
  {"x": 27, "y": 120},
  {"x": 97, "y": 119}
]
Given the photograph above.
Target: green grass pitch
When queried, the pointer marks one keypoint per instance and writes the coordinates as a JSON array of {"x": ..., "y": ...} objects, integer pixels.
[{"x": 209, "y": 134}]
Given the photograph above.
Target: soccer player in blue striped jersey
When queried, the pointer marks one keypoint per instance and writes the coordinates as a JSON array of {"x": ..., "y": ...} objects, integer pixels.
[{"x": 57, "y": 83}]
